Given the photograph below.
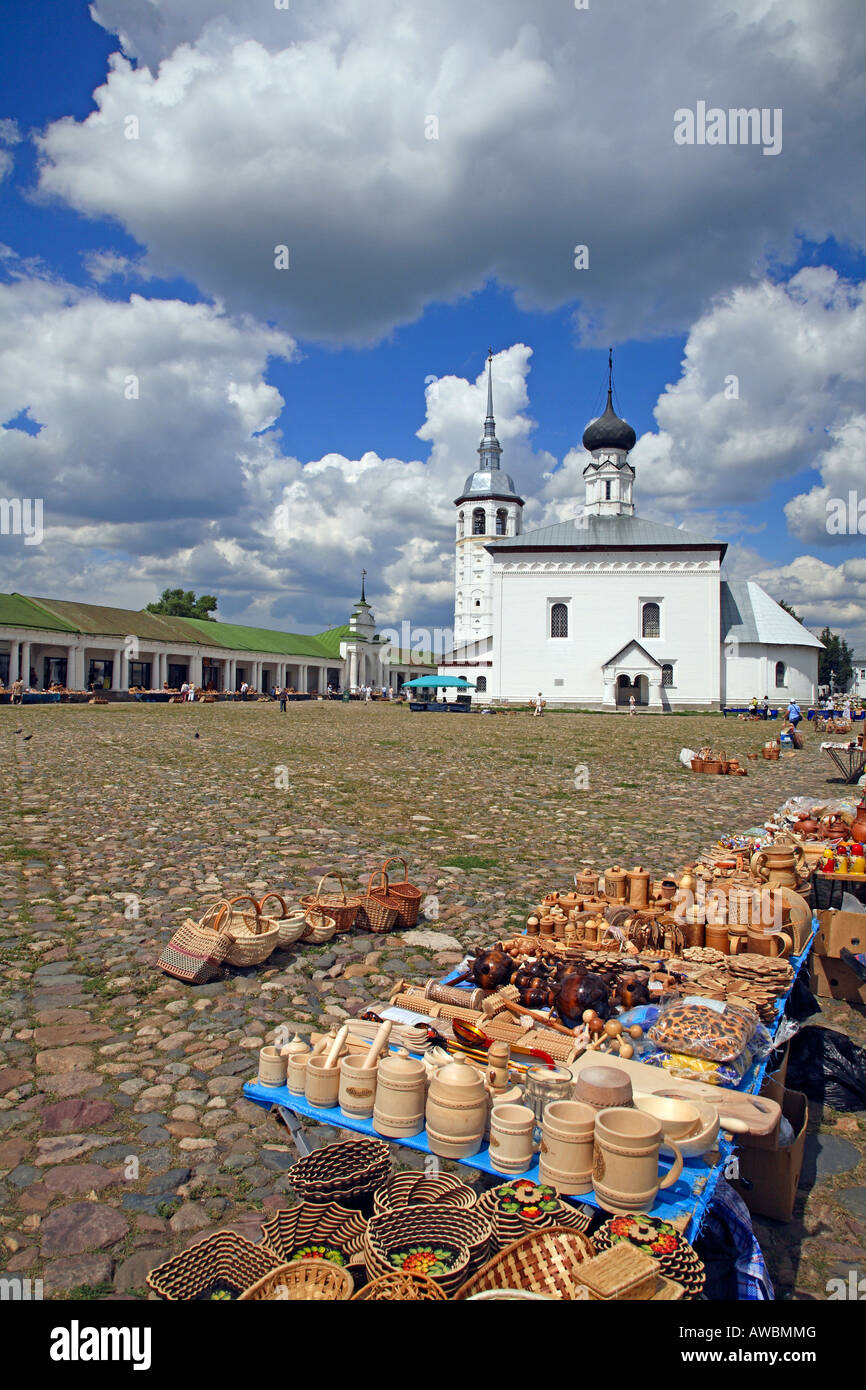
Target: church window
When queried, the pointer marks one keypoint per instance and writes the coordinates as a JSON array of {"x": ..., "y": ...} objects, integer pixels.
[
  {"x": 478, "y": 603},
  {"x": 559, "y": 620},
  {"x": 667, "y": 674},
  {"x": 461, "y": 523},
  {"x": 478, "y": 522},
  {"x": 481, "y": 684},
  {"x": 781, "y": 674},
  {"x": 650, "y": 620},
  {"x": 501, "y": 519},
  {"x": 607, "y": 490}
]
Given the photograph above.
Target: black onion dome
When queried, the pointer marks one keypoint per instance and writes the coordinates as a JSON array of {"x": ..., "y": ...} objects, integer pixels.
[{"x": 609, "y": 431}]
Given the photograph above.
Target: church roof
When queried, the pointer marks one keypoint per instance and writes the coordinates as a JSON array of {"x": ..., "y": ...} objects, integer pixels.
[
  {"x": 609, "y": 431},
  {"x": 491, "y": 483},
  {"x": 749, "y": 614},
  {"x": 606, "y": 533}
]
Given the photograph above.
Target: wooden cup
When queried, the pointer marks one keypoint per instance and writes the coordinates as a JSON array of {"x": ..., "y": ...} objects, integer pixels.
[
  {"x": 357, "y": 1092},
  {"x": 322, "y": 1083},
  {"x": 297, "y": 1072},
  {"x": 567, "y": 1146},
  {"x": 272, "y": 1067},
  {"x": 511, "y": 1146},
  {"x": 625, "y": 1172}
]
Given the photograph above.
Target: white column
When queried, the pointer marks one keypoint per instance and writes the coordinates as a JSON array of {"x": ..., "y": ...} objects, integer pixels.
[
  {"x": 655, "y": 691},
  {"x": 609, "y": 697},
  {"x": 121, "y": 669},
  {"x": 82, "y": 668},
  {"x": 25, "y": 663},
  {"x": 353, "y": 669},
  {"x": 302, "y": 679},
  {"x": 281, "y": 675},
  {"x": 194, "y": 676},
  {"x": 14, "y": 660}
]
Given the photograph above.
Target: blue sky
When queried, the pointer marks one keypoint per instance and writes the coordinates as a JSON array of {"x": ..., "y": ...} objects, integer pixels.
[{"x": 409, "y": 258}]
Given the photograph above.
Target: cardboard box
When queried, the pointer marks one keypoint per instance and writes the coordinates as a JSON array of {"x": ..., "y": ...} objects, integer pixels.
[
  {"x": 837, "y": 929},
  {"x": 834, "y": 979},
  {"x": 769, "y": 1176}
]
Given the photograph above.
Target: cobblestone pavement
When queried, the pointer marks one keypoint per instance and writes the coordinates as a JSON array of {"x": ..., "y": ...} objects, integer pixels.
[{"x": 123, "y": 1131}]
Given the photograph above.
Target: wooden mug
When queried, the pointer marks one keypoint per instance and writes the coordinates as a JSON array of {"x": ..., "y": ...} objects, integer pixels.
[
  {"x": 625, "y": 1170},
  {"x": 322, "y": 1083},
  {"x": 511, "y": 1146},
  {"x": 272, "y": 1067},
  {"x": 566, "y": 1146},
  {"x": 765, "y": 941},
  {"x": 357, "y": 1092},
  {"x": 297, "y": 1072}
]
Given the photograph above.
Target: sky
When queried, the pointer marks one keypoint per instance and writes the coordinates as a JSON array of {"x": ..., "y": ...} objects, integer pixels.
[{"x": 252, "y": 258}]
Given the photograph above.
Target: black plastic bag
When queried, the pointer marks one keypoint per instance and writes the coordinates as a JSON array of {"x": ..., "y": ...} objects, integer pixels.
[
  {"x": 802, "y": 1003},
  {"x": 828, "y": 1068}
]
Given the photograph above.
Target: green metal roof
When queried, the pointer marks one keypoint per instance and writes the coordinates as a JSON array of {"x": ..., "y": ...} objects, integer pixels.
[
  {"x": 238, "y": 638},
  {"x": 18, "y": 611},
  {"x": 97, "y": 619}
]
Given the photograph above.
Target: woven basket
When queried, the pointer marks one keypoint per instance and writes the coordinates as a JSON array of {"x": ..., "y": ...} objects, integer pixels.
[
  {"x": 416, "y": 1190},
  {"x": 401, "y": 1288},
  {"x": 343, "y": 909},
  {"x": 376, "y": 914},
  {"x": 292, "y": 924},
  {"x": 622, "y": 1274},
  {"x": 312, "y": 1223},
  {"x": 418, "y": 1225},
  {"x": 318, "y": 927},
  {"x": 195, "y": 954},
  {"x": 546, "y": 1262},
  {"x": 407, "y": 895},
  {"x": 342, "y": 1172},
  {"x": 225, "y": 1259},
  {"x": 252, "y": 935},
  {"x": 509, "y": 1227},
  {"x": 305, "y": 1280}
]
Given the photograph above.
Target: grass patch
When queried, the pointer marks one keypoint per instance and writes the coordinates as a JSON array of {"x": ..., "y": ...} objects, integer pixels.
[{"x": 472, "y": 861}]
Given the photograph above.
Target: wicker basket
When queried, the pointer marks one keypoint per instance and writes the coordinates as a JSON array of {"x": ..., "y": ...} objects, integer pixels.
[
  {"x": 467, "y": 1230},
  {"x": 343, "y": 1172},
  {"x": 622, "y": 1274},
  {"x": 376, "y": 914},
  {"x": 509, "y": 1227},
  {"x": 224, "y": 1259},
  {"x": 385, "y": 894},
  {"x": 304, "y": 1281},
  {"x": 546, "y": 1262},
  {"x": 252, "y": 935},
  {"x": 327, "y": 1224},
  {"x": 416, "y": 1190},
  {"x": 319, "y": 927},
  {"x": 293, "y": 922},
  {"x": 407, "y": 895},
  {"x": 401, "y": 1288},
  {"x": 195, "y": 954},
  {"x": 343, "y": 909}
]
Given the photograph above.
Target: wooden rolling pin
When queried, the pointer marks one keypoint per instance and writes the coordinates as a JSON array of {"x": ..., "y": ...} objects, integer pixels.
[
  {"x": 379, "y": 1042},
  {"x": 337, "y": 1047}
]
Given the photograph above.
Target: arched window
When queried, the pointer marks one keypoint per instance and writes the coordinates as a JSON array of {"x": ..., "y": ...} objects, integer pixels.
[
  {"x": 481, "y": 684},
  {"x": 559, "y": 620},
  {"x": 667, "y": 674},
  {"x": 501, "y": 521},
  {"x": 781, "y": 674},
  {"x": 478, "y": 603},
  {"x": 650, "y": 620},
  {"x": 608, "y": 487},
  {"x": 478, "y": 522},
  {"x": 461, "y": 524}
]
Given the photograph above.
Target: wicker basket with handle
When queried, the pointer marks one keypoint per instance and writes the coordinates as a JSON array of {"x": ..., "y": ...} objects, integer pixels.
[
  {"x": 319, "y": 927},
  {"x": 545, "y": 1262},
  {"x": 378, "y": 913},
  {"x": 253, "y": 936},
  {"x": 292, "y": 922},
  {"x": 407, "y": 894},
  {"x": 342, "y": 908},
  {"x": 401, "y": 1288},
  {"x": 316, "y": 1281}
]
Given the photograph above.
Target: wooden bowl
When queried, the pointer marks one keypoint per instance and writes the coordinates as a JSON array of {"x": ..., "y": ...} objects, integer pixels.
[{"x": 602, "y": 1087}]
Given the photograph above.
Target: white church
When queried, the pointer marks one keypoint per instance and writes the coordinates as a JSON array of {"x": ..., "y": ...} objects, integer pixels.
[{"x": 596, "y": 610}]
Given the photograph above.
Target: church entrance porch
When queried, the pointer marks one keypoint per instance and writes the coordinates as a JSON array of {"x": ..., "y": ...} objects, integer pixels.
[{"x": 625, "y": 688}]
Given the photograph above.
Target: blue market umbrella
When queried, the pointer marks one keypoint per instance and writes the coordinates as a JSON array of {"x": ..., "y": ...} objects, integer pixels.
[{"x": 433, "y": 682}]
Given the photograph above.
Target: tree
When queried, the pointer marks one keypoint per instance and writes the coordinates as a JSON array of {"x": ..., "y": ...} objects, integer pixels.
[
  {"x": 182, "y": 603},
  {"x": 837, "y": 657},
  {"x": 788, "y": 609}
]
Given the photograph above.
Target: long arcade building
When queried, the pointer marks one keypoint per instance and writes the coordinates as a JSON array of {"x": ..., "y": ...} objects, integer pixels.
[{"x": 49, "y": 642}]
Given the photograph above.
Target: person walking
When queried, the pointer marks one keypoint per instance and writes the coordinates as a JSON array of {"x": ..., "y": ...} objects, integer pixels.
[
  {"x": 794, "y": 715},
  {"x": 539, "y": 706},
  {"x": 281, "y": 696},
  {"x": 368, "y": 694},
  {"x": 17, "y": 696},
  {"x": 632, "y": 704},
  {"x": 244, "y": 689}
]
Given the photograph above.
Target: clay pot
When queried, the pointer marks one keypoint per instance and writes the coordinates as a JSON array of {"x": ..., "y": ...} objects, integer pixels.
[
  {"x": 858, "y": 829},
  {"x": 400, "y": 1087},
  {"x": 781, "y": 864}
]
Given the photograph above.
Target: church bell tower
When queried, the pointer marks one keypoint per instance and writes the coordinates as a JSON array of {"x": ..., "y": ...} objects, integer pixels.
[{"x": 609, "y": 477}]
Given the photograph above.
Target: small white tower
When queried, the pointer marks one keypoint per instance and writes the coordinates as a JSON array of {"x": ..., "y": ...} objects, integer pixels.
[
  {"x": 609, "y": 477},
  {"x": 487, "y": 508}
]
